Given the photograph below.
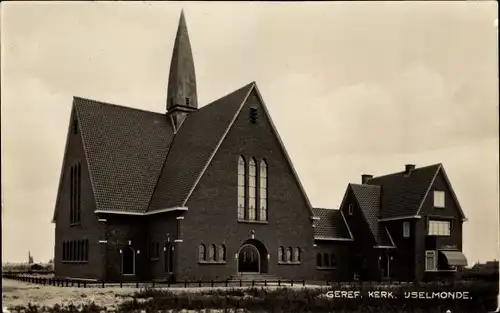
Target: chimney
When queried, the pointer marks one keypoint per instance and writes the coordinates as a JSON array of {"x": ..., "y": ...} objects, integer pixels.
[
  {"x": 365, "y": 178},
  {"x": 409, "y": 168}
]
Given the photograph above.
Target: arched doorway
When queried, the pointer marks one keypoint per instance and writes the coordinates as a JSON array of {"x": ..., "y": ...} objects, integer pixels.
[
  {"x": 169, "y": 258},
  {"x": 128, "y": 261},
  {"x": 252, "y": 257}
]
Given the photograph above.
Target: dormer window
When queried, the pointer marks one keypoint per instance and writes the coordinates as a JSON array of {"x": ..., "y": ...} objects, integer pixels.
[
  {"x": 350, "y": 209},
  {"x": 406, "y": 229},
  {"x": 439, "y": 199},
  {"x": 253, "y": 115}
]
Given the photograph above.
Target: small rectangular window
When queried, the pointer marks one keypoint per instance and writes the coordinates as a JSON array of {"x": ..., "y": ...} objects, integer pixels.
[
  {"x": 350, "y": 209},
  {"x": 439, "y": 228},
  {"x": 406, "y": 229},
  {"x": 439, "y": 199}
]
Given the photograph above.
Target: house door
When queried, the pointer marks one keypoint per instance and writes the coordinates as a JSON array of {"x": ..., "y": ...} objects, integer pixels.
[{"x": 249, "y": 259}]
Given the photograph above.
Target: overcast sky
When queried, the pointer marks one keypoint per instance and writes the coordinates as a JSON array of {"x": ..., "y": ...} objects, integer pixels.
[{"x": 353, "y": 88}]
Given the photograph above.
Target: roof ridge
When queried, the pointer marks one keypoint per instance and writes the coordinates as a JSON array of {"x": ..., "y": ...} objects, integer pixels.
[
  {"x": 400, "y": 172},
  {"x": 115, "y": 105}
]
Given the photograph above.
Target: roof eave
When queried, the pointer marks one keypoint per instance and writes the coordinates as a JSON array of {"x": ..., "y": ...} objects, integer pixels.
[
  {"x": 399, "y": 218},
  {"x": 172, "y": 209},
  {"x": 332, "y": 239}
]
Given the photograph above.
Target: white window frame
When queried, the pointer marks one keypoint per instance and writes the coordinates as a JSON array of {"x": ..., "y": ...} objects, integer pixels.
[
  {"x": 406, "y": 229},
  {"x": 439, "y": 199},
  {"x": 439, "y": 228},
  {"x": 429, "y": 254}
]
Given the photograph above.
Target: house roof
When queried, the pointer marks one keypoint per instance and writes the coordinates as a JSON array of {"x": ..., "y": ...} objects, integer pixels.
[
  {"x": 331, "y": 225},
  {"x": 403, "y": 194},
  {"x": 368, "y": 198}
]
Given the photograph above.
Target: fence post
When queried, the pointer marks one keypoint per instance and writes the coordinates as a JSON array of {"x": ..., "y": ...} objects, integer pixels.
[
  {"x": 121, "y": 283},
  {"x": 153, "y": 283},
  {"x": 304, "y": 282},
  {"x": 240, "y": 282},
  {"x": 199, "y": 283},
  {"x": 253, "y": 282},
  {"x": 291, "y": 282},
  {"x": 84, "y": 284},
  {"x": 78, "y": 284},
  {"x": 212, "y": 284},
  {"x": 137, "y": 284},
  {"x": 168, "y": 283},
  {"x": 185, "y": 283},
  {"x": 265, "y": 282},
  {"x": 279, "y": 282},
  {"x": 226, "y": 282},
  {"x": 327, "y": 283}
]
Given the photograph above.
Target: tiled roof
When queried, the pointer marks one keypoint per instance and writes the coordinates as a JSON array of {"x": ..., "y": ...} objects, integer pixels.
[
  {"x": 125, "y": 149},
  {"x": 403, "y": 193},
  {"x": 331, "y": 224},
  {"x": 192, "y": 148},
  {"x": 368, "y": 198}
]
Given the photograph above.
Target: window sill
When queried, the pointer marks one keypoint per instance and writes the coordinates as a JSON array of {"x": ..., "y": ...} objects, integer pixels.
[
  {"x": 253, "y": 222},
  {"x": 212, "y": 262},
  {"x": 440, "y": 271},
  {"x": 289, "y": 263},
  {"x": 326, "y": 268},
  {"x": 75, "y": 262}
]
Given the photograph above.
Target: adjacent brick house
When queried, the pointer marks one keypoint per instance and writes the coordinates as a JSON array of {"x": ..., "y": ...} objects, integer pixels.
[
  {"x": 210, "y": 193},
  {"x": 407, "y": 225}
]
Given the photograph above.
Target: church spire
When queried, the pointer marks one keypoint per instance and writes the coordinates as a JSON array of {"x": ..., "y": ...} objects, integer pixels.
[{"x": 181, "y": 93}]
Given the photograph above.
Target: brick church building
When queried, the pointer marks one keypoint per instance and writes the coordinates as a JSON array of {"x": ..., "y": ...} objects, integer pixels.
[{"x": 211, "y": 193}]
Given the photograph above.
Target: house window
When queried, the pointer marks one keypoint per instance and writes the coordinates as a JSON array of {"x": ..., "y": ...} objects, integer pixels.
[
  {"x": 350, "y": 209},
  {"x": 241, "y": 188},
  {"x": 289, "y": 254},
  {"x": 319, "y": 260},
  {"x": 439, "y": 199},
  {"x": 281, "y": 254},
  {"x": 211, "y": 253},
  {"x": 430, "y": 260},
  {"x": 263, "y": 191},
  {"x": 222, "y": 253},
  {"x": 252, "y": 190},
  {"x": 296, "y": 257},
  {"x": 439, "y": 228},
  {"x": 406, "y": 229},
  {"x": 155, "y": 250},
  {"x": 202, "y": 253}
]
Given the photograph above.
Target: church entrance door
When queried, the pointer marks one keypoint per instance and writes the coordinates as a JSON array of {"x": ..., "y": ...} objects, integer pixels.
[{"x": 249, "y": 259}]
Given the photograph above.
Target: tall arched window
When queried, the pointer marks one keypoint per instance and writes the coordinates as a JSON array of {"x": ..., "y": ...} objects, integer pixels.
[
  {"x": 202, "y": 252},
  {"x": 241, "y": 188},
  {"x": 211, "y": 253},
  {"x": 222, "y": 253},
  {"x": 281, "y": 254},
  {"x": 289, "y": 254},
  {"x": 263, "y": 191},
  {"x": 296, "y": 257},
  {"x": 252, "y": 188}
]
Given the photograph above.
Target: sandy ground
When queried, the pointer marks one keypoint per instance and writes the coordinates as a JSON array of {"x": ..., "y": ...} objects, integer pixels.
[{"x": 16, "y": 293}]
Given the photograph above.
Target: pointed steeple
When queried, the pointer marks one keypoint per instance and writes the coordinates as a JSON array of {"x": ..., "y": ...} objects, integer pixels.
[{"x": 181, "y": 93}]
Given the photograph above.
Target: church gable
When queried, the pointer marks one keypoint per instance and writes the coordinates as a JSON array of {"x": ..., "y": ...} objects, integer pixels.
[{"x": 253, "y": 140}]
